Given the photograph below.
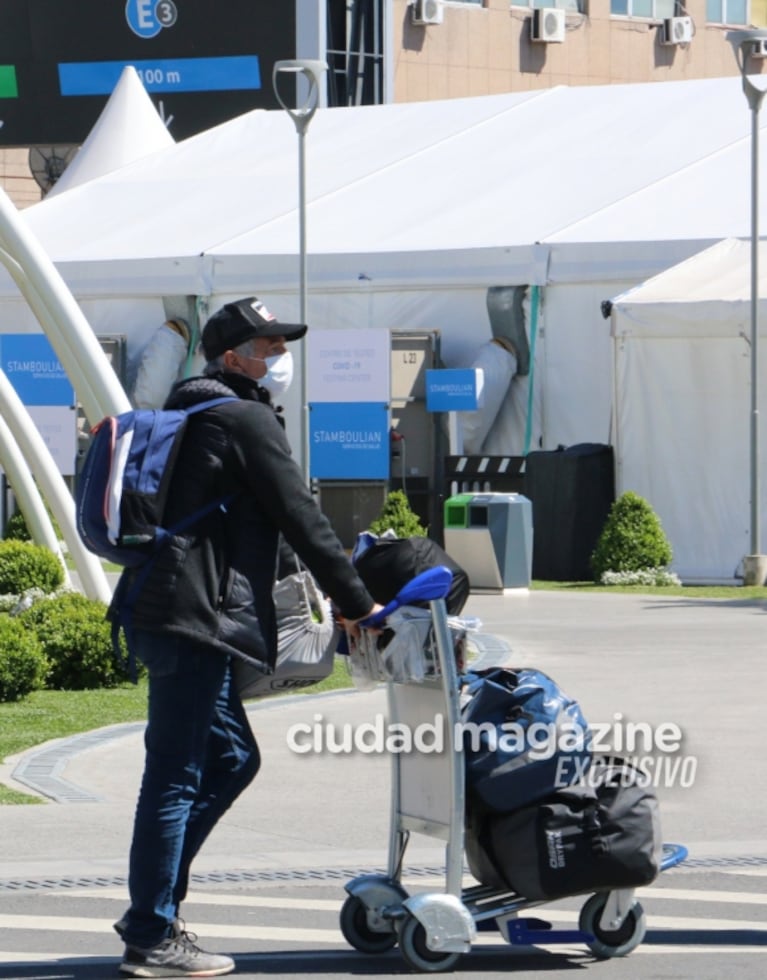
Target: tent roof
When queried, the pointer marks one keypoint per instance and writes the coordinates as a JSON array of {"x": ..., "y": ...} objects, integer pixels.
[
  {"x": 722, "y": 271},
  {"x": 497, "y": 174},
  {"x": 708, "y": 295},
  {"x": 128, "y": 129},
  {"x": 527, "y": 173}
]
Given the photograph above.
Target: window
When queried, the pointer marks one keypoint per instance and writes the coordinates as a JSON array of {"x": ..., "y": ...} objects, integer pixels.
[
  {"x": 652, "y": 9},
  {"x": 572, "y": 5},
  {"x": 727, "y": 11}
]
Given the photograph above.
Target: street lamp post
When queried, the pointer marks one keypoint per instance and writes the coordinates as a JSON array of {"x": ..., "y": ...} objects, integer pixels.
[
  {"x": 311, "y": 71},
  {"x": 754, "y": 564}
]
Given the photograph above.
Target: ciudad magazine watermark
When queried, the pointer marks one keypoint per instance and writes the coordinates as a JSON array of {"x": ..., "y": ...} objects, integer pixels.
[{"x": 656, "y": 752}]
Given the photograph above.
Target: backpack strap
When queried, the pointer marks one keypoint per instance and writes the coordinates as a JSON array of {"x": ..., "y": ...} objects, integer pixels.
[
  {"x": 163, "y": 534},
  {"x": 211, "y": 403}
]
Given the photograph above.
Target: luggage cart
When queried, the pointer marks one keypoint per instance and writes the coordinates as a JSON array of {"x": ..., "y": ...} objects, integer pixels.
[{"x": 433, "y": 929}]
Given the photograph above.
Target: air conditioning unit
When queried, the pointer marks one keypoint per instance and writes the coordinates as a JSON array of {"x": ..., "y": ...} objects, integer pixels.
[
  {"x": 548, "y": 25},
  {"x": 759, "y": 49},
  {"x": 424, "y": 12},
  {"x": 677, "y": 30}
]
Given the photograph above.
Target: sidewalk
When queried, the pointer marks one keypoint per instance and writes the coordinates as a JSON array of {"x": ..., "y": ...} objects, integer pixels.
[{"x": 695, "y": 662}]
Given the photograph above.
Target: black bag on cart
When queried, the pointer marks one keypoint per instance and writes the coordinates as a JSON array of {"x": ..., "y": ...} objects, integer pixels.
[
  {"x": 389, "y": 563},
  {"x": 599, "y": 834}
]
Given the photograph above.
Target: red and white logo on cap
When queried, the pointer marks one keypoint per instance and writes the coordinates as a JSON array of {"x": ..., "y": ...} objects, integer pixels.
[{"x": 262, "y": 311}]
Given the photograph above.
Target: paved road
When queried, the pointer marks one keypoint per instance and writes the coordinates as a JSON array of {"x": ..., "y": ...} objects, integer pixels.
[
  {"x": 270, "y": 881},
  {"x": 703, "y": 925}
]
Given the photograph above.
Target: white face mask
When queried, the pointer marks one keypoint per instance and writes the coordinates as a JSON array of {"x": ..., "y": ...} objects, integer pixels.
[{"x": 279, "y": 373}]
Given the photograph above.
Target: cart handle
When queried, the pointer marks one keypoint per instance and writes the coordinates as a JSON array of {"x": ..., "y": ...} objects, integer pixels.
[{"x": 434, "y": 583}]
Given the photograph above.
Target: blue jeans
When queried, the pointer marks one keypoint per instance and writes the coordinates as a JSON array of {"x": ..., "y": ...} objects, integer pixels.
[{"x": 200, "y": 755}]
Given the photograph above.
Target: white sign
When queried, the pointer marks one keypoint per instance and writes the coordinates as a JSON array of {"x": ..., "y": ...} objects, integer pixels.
[
  {"x": 348, "y": 365},
  {"x": 58, "y": 426}
]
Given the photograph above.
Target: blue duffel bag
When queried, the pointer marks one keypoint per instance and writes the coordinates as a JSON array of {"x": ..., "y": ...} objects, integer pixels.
[{"x": 523, "y": 738}]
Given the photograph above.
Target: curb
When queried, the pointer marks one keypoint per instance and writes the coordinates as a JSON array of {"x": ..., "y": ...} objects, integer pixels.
[{"x": 40, "y": 769}]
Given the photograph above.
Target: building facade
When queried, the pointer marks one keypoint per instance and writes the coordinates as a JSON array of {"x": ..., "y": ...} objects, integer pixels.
[{"x": 481, "y": 48}]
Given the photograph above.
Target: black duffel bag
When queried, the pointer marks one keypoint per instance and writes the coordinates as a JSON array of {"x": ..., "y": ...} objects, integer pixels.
[
  {"x": 523, "y": 737},
  {"x": 389, "y": 563},
  {"x": 601, "y": 833}
]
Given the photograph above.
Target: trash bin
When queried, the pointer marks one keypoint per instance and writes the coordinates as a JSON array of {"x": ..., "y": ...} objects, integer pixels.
[
  {"x": 457, "y": 510},
  {"x": 491, "y": 536}
]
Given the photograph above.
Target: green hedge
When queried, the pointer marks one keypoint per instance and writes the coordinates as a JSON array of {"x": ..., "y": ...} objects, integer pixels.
[
  {"x": 24, "y": 565},
  {"x": 397, "y": 515},
  {"x": 77, "y": 641},
  {"x": 49, "y": 637},
  {"x": 632, "y": 539},
  {"x": 16, "y": 526},
  {"x": 23, "y": 664}
]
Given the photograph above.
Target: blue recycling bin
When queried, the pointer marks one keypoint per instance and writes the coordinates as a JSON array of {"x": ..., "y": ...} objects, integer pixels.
[{"x": 491, "y": 536}]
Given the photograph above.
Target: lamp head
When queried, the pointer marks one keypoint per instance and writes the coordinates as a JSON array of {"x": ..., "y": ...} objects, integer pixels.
[
  {"x": 743, "y": 43},
  {"x": 312, "y": 70}
]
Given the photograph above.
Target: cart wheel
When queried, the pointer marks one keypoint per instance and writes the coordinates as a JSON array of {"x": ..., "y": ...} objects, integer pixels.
[
  {"x": 357, "y": 932},
  {"x": 412, "y": 945},
  {"x": 617, "y": 942}
]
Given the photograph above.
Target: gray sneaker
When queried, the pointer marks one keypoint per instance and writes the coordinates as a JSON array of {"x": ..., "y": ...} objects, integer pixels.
[{"x": 177, "y": 956}]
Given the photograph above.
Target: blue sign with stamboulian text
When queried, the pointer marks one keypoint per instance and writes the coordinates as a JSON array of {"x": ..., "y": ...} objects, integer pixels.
[
  {"x": 31, "y": 365},
  {"x": 452, "y": 390},
  {"x": 348, "y": 441}
]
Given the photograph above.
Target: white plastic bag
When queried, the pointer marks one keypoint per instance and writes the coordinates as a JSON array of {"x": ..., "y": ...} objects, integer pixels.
[
  {"x": 307, "y": 639},
  {"x": 407, "y": 651},
  {"x": 397, "y": 653}
]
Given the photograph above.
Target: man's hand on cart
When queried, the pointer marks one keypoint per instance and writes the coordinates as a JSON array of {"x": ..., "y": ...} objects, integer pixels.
[
  {"x": 430, "y": 584},
  {"x": 353, "y": 626}
]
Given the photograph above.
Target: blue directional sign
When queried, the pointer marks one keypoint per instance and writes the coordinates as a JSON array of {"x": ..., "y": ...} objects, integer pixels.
[
  {"x": 348, "y": 441},
  {"x": 164, "y": 75},
  {"x": 34, "y": 370},
  {"x": 452, "y": 390}
]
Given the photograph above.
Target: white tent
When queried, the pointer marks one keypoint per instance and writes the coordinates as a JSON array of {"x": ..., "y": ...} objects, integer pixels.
[
  {"x": 683, "y": 403},
  {"x": 128, "y": 128},
  {"x": 413, "y": 211}
]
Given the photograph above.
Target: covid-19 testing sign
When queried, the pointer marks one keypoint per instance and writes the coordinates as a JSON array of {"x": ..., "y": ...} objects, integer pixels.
[{"x": 348, "y": 391}]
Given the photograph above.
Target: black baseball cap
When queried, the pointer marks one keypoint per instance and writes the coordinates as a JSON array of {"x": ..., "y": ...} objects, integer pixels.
[{"x": 244, "y": 320}]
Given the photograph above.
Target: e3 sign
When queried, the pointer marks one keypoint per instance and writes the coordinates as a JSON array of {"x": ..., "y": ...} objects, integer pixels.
[{"x": 146, "y": 18}]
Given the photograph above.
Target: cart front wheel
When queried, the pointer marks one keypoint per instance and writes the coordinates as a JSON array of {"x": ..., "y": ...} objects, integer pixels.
[
  {"x": 412, "y": 945},
  {"x": 612, "y": 942},
  {"x": 357, "y": 932}
]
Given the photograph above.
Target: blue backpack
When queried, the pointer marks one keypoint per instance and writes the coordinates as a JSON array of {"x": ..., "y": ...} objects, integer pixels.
[
  {"x": 121, "y": 496},
  {"x": 123, "y": 487}
]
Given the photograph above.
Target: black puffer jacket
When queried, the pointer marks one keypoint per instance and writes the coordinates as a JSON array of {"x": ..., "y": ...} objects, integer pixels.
[{"x": 214, "y": 582}]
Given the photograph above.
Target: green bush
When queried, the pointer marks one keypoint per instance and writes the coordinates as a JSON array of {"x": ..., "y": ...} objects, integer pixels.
[
  {"x": 24, "y": 565},
  {"x": 16, "y": 529},
  {"x": 77, "y": 640},
  {"x": 631, "y": 540},
  {"x": 397, "y": 515},
  {"x": 23, "y": 665}
]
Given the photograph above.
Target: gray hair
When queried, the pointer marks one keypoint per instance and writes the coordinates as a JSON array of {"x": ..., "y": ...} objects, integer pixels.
[{"x": 217, "y": 364}]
